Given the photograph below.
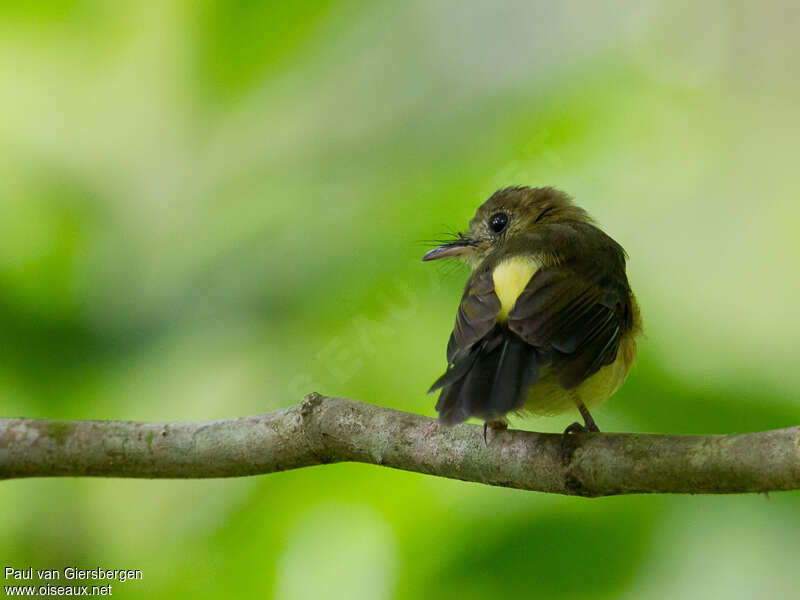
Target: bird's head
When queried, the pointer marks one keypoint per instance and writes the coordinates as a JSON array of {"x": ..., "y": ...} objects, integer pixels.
[{"x": 508, "y": 215}]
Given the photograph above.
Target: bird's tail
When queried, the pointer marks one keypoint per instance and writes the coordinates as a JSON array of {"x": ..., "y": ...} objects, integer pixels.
[{"x": 487, "y": 380}]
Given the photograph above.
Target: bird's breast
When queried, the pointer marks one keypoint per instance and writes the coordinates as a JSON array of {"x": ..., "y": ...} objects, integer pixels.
[{"x": 510, "y": 277}]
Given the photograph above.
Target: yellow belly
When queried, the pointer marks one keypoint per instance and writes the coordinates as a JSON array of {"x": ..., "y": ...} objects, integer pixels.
[
  {"x": 510, "y": 277},
  {"x": 547, "y": 397}
]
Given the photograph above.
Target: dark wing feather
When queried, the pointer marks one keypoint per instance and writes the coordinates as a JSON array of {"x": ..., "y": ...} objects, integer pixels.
[
  {"x": 489, "y": 367},
  {"x": 489, "y": 379},
  {"x": 475, "y": 319},
  {"x": 476, "y": 315},
  {"x": 517, "y": 368},
  {"x": 574, "y": 321}
]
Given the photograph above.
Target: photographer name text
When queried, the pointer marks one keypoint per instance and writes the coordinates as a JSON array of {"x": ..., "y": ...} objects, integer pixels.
[{"x": 71, "y": 576}]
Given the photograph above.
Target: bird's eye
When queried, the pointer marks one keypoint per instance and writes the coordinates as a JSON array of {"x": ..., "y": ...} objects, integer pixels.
[{"x": 498, "y": 222}]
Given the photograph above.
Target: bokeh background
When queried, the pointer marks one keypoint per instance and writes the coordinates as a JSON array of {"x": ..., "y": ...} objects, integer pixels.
[{"x": 208, "y": 209}]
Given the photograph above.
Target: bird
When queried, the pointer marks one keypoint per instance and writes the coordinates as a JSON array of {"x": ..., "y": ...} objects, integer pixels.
[{"x": 547, "y": 322}]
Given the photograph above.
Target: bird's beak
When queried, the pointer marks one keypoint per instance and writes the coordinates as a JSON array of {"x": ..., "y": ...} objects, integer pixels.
[{"x": 455, "y": 248}]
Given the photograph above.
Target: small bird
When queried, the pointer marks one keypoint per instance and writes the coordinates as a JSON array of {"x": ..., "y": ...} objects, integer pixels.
[{"x": 547, "y": 321}]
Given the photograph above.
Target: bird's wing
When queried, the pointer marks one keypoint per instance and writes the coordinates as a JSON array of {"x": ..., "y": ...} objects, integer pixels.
[
  {"x": 476, "y": 315},
  {"x": 574, "y": 320},
  {"x": 489, "y": 367},
  {"x": 475, "y": 320}
]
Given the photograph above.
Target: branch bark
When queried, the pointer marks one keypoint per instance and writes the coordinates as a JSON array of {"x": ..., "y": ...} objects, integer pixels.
[{"x": 324, "y": 430}]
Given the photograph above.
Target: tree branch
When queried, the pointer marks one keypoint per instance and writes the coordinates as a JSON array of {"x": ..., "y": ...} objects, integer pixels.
[{"x": 326, "y": 430}]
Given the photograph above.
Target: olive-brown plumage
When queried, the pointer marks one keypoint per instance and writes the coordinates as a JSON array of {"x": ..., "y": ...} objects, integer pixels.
[{"x": 547, "y": 321}]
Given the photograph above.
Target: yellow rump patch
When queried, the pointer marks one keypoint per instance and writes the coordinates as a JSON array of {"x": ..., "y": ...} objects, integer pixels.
[{"x": 510, "y": 278}]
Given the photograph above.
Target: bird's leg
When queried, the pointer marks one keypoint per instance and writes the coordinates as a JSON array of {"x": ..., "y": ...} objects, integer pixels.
[
  {"x": 587, "y": 418},
  {"x": 496, "y": 426},
  {"x": 576, "y": 427},
  {"x": 567, "y": 439}
]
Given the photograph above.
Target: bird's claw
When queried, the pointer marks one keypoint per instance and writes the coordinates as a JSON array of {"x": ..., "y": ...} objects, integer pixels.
[
  {"x": 575, "y": 428},
  {"x": 495, "y": 426},
  {"x": 569, "y": 442}
]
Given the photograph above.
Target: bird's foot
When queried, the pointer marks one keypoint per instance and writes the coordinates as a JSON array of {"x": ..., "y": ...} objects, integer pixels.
[
  {"x": 575, "y": 428},
  {"x": 568, "y": 440},
  {"x": 495, "y": 426}
]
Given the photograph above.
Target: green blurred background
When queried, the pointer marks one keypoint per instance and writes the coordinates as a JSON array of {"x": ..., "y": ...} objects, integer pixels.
[{"x": 208, "y": 209}]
